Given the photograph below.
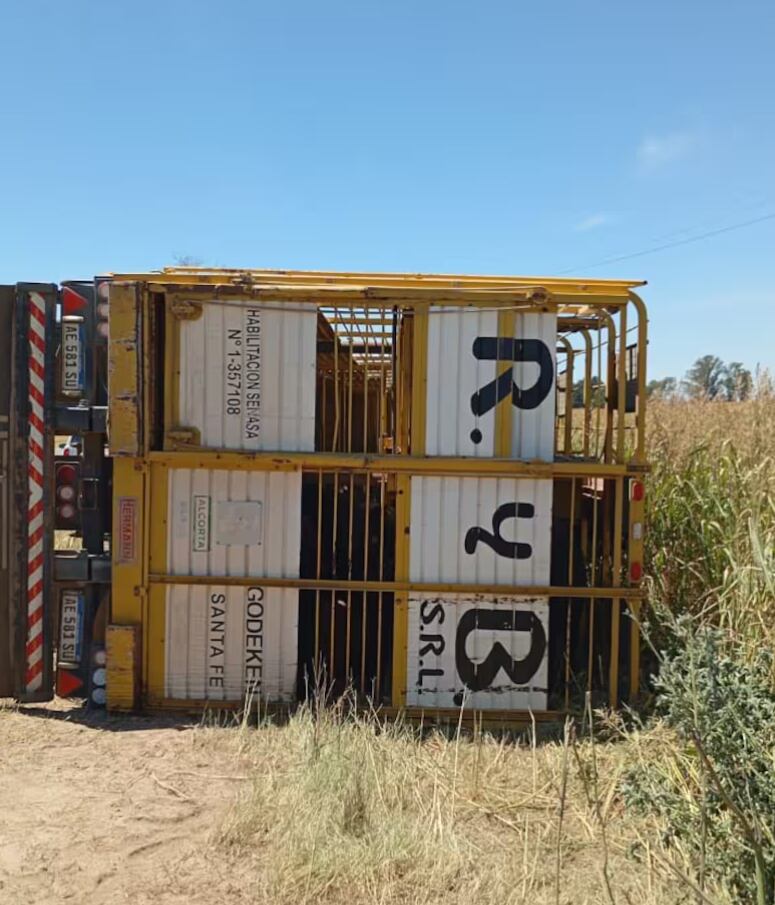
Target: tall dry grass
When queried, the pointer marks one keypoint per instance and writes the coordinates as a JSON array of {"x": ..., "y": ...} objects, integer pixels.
[
  {"x": 344, "y": 808},
  {"x": 711, "y": 515}
]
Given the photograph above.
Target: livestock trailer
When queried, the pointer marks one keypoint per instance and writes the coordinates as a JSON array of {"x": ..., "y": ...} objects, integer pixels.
[{"x": 424, "y": 490}]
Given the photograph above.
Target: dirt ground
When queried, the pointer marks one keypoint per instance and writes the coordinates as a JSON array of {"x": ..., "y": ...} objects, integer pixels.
[{"x": 97, "y": 809}]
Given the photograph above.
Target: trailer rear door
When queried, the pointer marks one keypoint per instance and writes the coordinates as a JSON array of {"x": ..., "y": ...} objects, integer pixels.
[{"x": 27, "y": 325}]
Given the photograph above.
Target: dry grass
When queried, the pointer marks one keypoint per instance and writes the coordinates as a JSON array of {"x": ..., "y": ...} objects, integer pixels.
[
  {"x": 343, "y": 808},
  {"x": 676, "y": 430}
]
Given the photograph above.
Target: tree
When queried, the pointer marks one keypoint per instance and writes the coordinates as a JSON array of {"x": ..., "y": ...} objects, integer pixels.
[
  {"x": 666, "y": 388},
  {"x": 738, "y": 382},
  {"x": 597, "y": 394},
  {"x": 187, "y": 261},
  {"x": 706, "y": 378}
]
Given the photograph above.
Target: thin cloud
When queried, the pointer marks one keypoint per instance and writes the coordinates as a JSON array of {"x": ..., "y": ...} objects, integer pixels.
[
  {"x": 657, "y": 150},
  {"x": 592, "y": 222}
]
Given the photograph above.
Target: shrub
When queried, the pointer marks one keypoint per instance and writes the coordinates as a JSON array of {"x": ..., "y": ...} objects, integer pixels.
[{"x": 714, "y": 791}]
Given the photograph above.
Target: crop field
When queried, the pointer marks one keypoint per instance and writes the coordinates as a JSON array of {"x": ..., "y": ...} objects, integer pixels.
[{"x": 673, "y": 804}]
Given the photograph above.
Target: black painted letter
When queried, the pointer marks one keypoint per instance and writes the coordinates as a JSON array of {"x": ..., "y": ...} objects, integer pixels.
[
  {"x": 494, "y": 540},
  {"x": 503, "y": 348},
  {"x": 478, "y": 677}
]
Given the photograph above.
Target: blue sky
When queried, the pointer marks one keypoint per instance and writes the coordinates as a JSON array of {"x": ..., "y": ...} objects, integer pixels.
[{"x": 487, "y": 137}]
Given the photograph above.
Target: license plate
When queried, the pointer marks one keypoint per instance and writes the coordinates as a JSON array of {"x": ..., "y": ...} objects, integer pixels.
[
  {"x": 71, "y": 627},
  {"x": 72, "y": 358}
]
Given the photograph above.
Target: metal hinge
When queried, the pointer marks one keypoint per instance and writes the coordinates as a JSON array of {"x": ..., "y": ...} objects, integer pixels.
[{"x": 185, "y": 436}]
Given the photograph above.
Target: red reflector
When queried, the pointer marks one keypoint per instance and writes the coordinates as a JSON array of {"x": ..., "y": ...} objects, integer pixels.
[
  {"x": 66, "y": 474},
  {"x": 636, "y": 571},
  {"x": 67, "y": 683},
  {"x": 637, "y": 491},
  {"x": 72, "y": 302}
]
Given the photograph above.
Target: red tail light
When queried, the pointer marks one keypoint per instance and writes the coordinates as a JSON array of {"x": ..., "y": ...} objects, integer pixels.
[
  {"x": 66, "y": 492},
  {"x": 66, "y": 475}
]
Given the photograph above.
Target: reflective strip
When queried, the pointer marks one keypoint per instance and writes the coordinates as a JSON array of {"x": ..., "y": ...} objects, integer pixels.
[{"x": 37, "y": 346}]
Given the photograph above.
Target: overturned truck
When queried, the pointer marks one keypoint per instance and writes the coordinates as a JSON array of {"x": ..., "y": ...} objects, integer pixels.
[{"x": 427, "y": 490}]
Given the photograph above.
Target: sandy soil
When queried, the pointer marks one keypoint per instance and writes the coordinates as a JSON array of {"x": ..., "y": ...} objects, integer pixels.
[{"x": 95, "y": 809}]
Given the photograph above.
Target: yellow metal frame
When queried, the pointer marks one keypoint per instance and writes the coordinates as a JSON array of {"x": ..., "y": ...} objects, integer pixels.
[
  {"x": 506, "y": 324},
  {"x": 171, "y": 374},
  {"x": 129, "y": 581},
  {"x": 567, "y": 416},
  {"x": 636, "y": 529},
  {"x": 588, "y": 309},
  {"x": 399, "y": 464},
  {"x": 125, "y": 371},
  {"x": 565, "y": 286},
  {"x": 155, "y": 650}
]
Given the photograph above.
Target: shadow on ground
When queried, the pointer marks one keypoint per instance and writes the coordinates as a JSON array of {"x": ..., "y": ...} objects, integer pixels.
[{"x": 77, "y": 711}]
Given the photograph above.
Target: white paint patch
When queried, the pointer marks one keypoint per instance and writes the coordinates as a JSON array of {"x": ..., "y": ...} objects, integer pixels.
[
  {"x": 480, "y": 531},
  {"x": 483, "y": 653},
  {"x": 226, "y": 643},
  {"x": 234, "y": 523},
  {"x": 465, "y": 358},
  {"x": 247, "y": 376}
]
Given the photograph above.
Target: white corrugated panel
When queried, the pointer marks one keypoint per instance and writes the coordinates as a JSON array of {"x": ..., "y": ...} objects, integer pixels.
[
  {"x": 247, "y": 377},
  {"x": 490, "y": 654},
  {"x": 470, "y": 530},
  {"x": 462, "y": 345},
  {"x": 224, "y": 643},
  {"x": 221, "y": 641},
  {"x": 234, "y": 522}
]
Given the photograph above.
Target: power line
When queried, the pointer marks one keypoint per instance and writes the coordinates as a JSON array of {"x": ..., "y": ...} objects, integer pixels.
[
  {"x": 750, "y": 210},
  {"x": 656, "y": 248}
]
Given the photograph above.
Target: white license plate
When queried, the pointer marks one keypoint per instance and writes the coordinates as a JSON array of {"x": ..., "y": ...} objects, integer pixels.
[
  {"x": 71, "y": 627},
  {"x": 72, "y": 358}
]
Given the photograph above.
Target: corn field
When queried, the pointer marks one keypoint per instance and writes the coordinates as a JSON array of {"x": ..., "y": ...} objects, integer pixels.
[{"x": 711, "y": 533}]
